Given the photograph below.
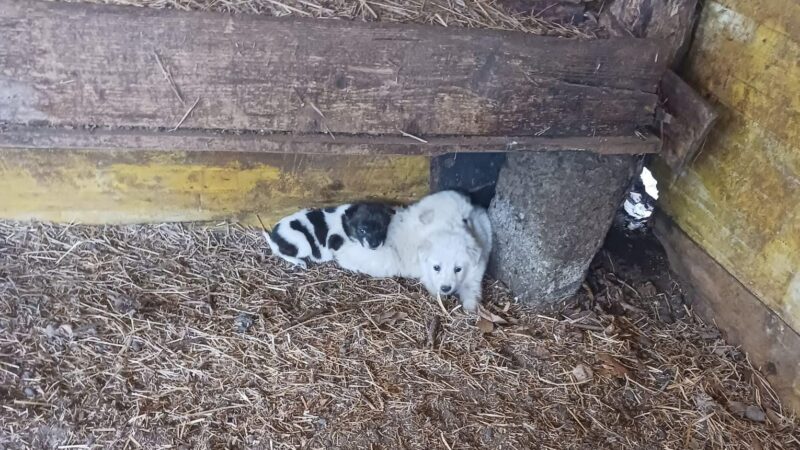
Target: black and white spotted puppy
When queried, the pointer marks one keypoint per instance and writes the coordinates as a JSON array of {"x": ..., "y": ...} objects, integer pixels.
[{"x": 316, "y": 234}]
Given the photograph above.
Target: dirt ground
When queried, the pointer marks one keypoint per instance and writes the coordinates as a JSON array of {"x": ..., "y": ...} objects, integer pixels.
[{"x": 170, "y": 336}]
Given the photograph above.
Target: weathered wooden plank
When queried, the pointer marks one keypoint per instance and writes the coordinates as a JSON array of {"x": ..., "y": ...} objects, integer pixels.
[
  {"x": 670, "y": 21},
  {"x": 79, "y": 64},
  {"x": 739, "y": 199},
  {"x": 134, "y": 187},
  {"x": 209, "y": 141},
  {"x": 688, "y": 120}
]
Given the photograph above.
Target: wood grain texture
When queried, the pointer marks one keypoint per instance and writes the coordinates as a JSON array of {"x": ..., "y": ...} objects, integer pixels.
[
  {"x": 690, "y": 119},
  {"x": 739, "y": 199},
  {"x": 79, "y": 64},
  {"x": 135, "y": 187},
  {"x": 670, "y": 21},
  {"x": 208, "y": 141}
]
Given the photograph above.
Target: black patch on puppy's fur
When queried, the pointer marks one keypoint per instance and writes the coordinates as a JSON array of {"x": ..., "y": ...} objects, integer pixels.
[
  {"x": 283, "y": 245},
  {"x": 367, "y": 223},
  {"x": 330, "y": 210},
  {"x": 296, "y": 225},
  {"x": 335, "y": 242},
  {"x": 317, "y": 219}
]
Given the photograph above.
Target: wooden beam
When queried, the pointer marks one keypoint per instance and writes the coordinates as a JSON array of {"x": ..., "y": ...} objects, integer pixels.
[
  {"x": 209, "y": 141},
  {"x": 671, "y": 22},
  {"x": 687, "y": 122},
  {"x": 102, "y": 66},
  {"x": 113, "y": 186}
]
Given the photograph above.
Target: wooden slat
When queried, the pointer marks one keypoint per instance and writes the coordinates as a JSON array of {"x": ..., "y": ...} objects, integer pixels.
[
  {"x": 671, "y": 22},
  {"x": 81, "y": 64},
  {"x": 688, "y": 120},
  {"x": 197, "y": 140},
  {"x": 115, "y": 186}
]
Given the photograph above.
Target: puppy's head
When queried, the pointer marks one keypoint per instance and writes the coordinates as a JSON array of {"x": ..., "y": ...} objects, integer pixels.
[
  {"x": 446, "y": 259},
  {"x": 367, "y": 223}
]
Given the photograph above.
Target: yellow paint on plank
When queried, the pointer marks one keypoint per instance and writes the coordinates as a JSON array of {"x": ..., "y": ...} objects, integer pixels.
[
  {"x": 135, "y": 187},
  {"x": 783, "y": 16},
  {"x": 740, "y": 199},
  {"x": 748, "y": 67}
]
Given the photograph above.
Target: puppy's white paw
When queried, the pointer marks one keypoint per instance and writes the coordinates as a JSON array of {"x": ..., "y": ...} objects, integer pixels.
[
  {"x": 470, "y": 305},
  {"x": 470, "y": 295}
]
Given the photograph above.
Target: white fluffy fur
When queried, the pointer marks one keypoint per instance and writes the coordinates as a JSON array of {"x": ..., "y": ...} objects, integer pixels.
[
  {"x": 442, "y": 229},
  {"x": 467, "y": 250}
]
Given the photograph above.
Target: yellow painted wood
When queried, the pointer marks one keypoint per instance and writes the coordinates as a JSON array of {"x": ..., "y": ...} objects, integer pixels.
[
  {"x": 135, "y": 187},
  {"x": 740, "y": 199}
]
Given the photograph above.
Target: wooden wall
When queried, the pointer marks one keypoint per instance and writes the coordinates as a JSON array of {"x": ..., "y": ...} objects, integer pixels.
[
  {"x": 740, "y": 198},
  {"x": 113, "y": 114}
]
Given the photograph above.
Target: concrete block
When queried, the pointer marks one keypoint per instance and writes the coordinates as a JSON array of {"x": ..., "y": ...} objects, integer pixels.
[{"x": 550, "y": 214}]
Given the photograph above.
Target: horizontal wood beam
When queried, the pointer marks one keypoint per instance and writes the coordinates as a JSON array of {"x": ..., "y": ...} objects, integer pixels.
[
  {"x": 208, "y": 141},
  {"x": 82, "y": 65},
  {"x": 113, "y": 186}
]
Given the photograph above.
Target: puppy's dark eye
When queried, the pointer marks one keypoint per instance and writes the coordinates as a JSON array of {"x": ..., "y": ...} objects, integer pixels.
[
  {"x": 457, "y": 269},
  {"x": 437, "y": 268},
  {"x": 362, "y": 230}
]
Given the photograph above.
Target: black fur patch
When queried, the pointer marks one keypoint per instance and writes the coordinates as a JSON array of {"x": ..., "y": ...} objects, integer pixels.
[
  {"x": 317, "y": 218},
  {"x": 335, "y": 242},
  {"x": 346, "y": 217},
  {"x": 283, "y": 245},
  {"x": 296, "y": 225},
  {"x": 330, "y": 210},
  {"x": 367, "y": 223}
]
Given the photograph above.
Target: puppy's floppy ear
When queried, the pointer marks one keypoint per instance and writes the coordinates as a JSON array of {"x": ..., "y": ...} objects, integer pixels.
[
  {"x": 350, "y": 211},
  {"x": 346, "y": 218},
  {"x": 426, "y": 217}
]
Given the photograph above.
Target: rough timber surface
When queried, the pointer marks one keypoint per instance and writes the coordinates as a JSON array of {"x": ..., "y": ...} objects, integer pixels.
[
  {"x": 691, "y": 118},
  {"x": 670, "y": 21},
  {"x": 111, "y": 187},
  {"x": 97, "y": 65},
  {"x": 42, "y": 138}
]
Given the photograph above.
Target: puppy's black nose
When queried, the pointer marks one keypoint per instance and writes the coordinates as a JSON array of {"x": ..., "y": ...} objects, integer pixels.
[{"x": 446, "y": 289}]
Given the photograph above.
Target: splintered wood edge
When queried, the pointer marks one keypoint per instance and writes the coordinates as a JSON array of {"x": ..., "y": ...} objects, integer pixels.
[{"x": 44, "y": 138}]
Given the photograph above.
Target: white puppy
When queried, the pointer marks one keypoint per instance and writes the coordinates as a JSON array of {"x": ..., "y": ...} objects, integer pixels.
[
  {"x": 442, "y": 240},
  {"x": 454, "y": 261}
]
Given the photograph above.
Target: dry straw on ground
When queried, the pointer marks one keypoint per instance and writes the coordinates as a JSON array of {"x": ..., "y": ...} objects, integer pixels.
[
  {"x": 168, "y": 336},
  {"x": 490, "y": 14}
]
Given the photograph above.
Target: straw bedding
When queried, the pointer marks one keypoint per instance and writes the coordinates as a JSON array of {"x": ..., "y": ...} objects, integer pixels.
[
  {"x": 171, "y": 336},
  {"x": 542, "y": 17}
]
